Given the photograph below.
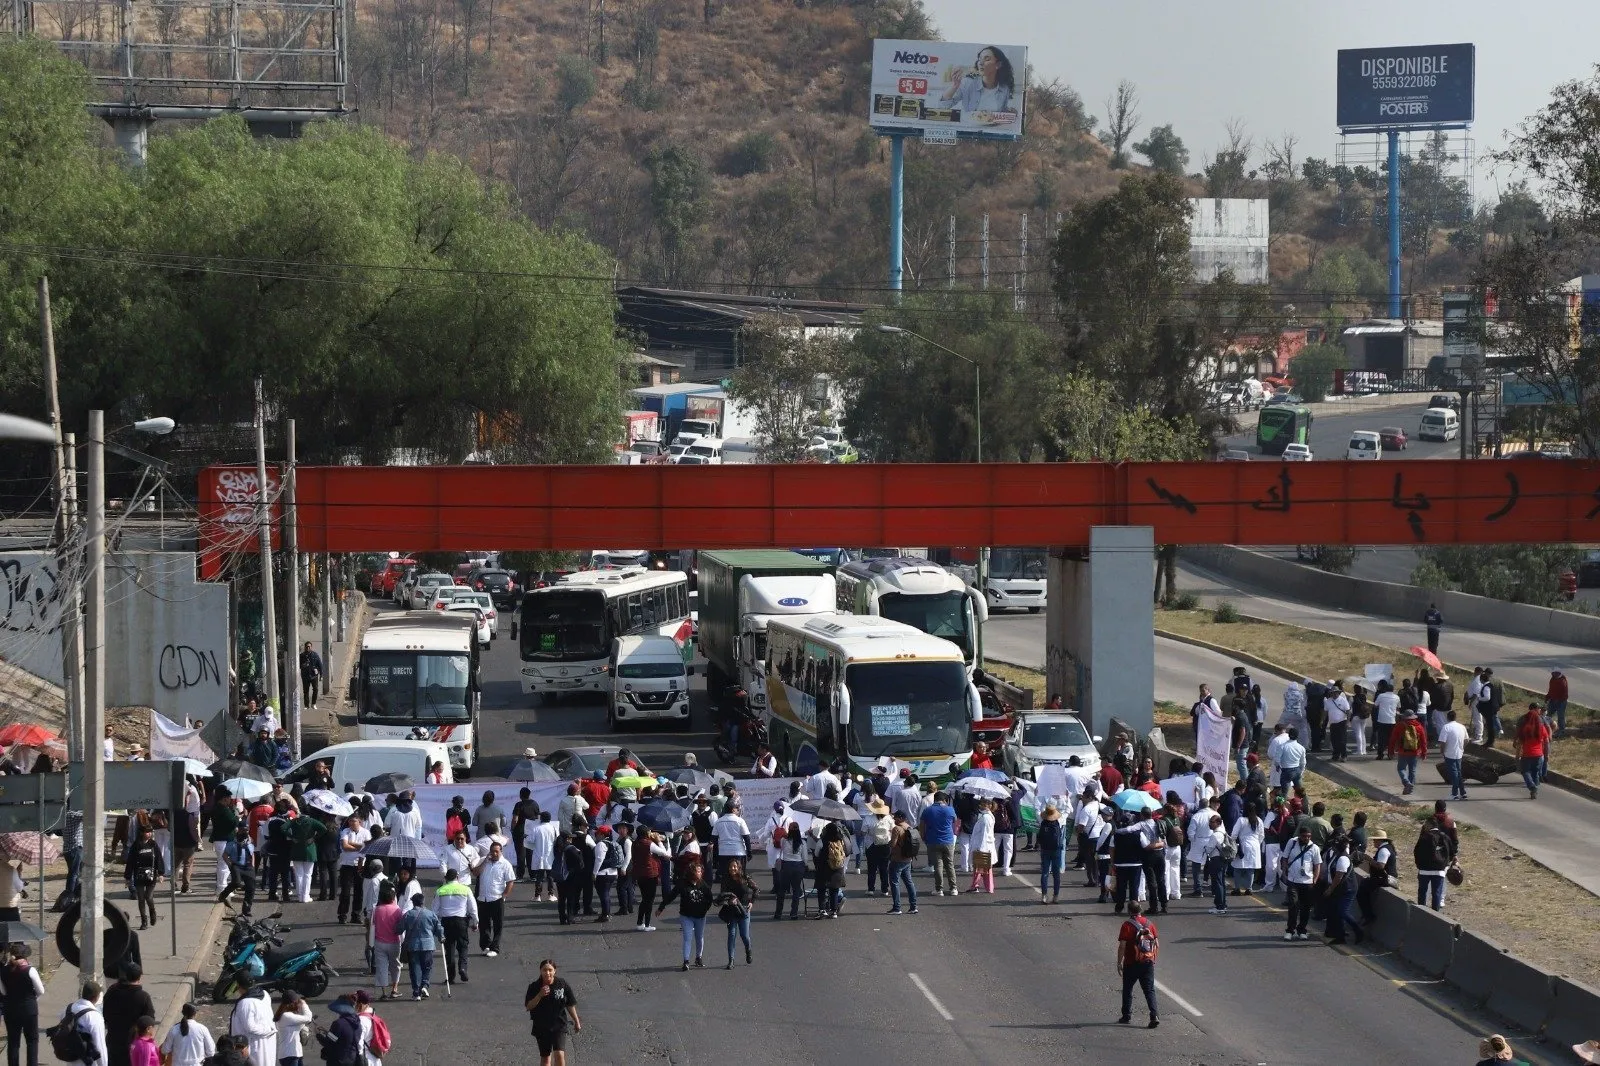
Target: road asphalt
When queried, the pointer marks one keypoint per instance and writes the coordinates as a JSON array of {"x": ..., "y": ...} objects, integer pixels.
[
  {"x": 974, "y": 979},
  {"x": 1333, "y": 422}
]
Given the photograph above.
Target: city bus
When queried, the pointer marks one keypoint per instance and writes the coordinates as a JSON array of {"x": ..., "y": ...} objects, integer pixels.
[
  {"x": 864, "y": 687},
  {"x": 1280, "y": 425},
  {"x": 417, "y": 679},
  {"x": 566, "y": 629},
  {"x": 1016, "y": 578},
  {"x": 914, "y": 591}
]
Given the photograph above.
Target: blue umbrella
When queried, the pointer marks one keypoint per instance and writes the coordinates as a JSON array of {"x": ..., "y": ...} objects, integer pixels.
[
  {"x": 987, "y": 775},
  {"x": 663, "y": 816},
  {"x": 1135, "y": 799}
]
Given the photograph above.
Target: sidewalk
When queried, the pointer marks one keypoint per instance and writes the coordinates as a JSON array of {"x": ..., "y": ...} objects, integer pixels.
[
  {"x": 169, "y": 978},
  {"x": 321, "y": 723}
]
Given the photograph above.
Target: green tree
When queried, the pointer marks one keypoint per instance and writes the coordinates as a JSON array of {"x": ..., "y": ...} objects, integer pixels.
[
  {"x": 771, "y": 230},
  {"x": 1520, "y": 573},
  {"x": 1165, "y": 150},
  {"x": 754, "y": 153},
  {"x": 1518, "y": 212},
  {"x": 1312, "y": 370},
  {"x": 679, "y": 188},
  {"x": 1086, "y": 421},
  {"x": 574, "y": 82},
  {"x": 778, "y": 376}
]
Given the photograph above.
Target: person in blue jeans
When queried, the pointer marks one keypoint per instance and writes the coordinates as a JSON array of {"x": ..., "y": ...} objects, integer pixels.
[
  {"x": 1052, "y": 854},
  {"x": 694, "y": 901},
  {"x": 1341, "y": 895},
  {"x": 1408, "y": 742},
  {"x": 737, "y": 901},
  {"x": 421, "y": 931},
  {"x": 903, "y": 849}
]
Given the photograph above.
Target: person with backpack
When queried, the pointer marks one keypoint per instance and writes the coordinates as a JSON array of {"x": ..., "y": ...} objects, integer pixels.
[
  {"x": 80, "y": 1036},
  {"x": 1433, "y": 855},
  {"x": 829, "y": 861},
  {"x": 375, "y": 1039},
  {"x": 607, "y": 868},
  {"x": 1301, "y": 868},
  {"x": 1408, "y": 743},
  {"x": 1052, "y": 854},
  {"x": 1138, "y": 944}
]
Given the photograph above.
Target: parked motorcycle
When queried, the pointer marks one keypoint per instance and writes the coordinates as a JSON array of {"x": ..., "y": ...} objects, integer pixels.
[
  {"x": 752, "y": 733},
  {"x": 256, "y": 957}
]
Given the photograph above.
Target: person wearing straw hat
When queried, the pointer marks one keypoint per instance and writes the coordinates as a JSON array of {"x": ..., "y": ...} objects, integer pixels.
[
  {"x": 1496, "y": 1049},
  {"x": 878, "y": 828},
  {"x": 1052, "y": 854}
]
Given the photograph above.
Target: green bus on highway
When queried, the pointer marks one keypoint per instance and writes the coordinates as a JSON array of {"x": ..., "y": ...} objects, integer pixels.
[{"x": 1281, "y": 425}]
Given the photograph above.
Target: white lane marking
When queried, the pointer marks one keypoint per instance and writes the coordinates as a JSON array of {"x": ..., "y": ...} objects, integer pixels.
[
  {"x": 1179, "y": 1000},
  {"x": 931, "y": 998}
]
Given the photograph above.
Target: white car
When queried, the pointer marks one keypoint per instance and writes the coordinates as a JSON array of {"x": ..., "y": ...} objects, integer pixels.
[
  {"x": 676, "y": 449},
  {"x": 423, "y": 587},
  {"x": 484, "y": 603},
  {"x": 708, "y": 449},
  {"x": 1297, "y": 453},
  {"x": 1040, "y": 738},
  {"x": 446, "y": 594},
  {"x": 485, "y": 635},
  {"x": 690, "y": 459}
]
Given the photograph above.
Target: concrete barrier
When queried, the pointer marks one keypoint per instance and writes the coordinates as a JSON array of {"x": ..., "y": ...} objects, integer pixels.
[
  {"x": 1575, "y": 1013},
  {"x": 1406, "y": 602},
  {"x": 1391, "y": 914},
  {"x": 1430, "y": 941},
  {"x": 1472, "y": 968},
  {"x": 1520, "y": 992}
]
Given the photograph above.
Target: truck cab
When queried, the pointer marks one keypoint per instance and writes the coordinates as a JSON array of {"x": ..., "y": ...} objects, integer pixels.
[
  {"x": 761, "y": 599},
  {"x": 695, "y": 428}
]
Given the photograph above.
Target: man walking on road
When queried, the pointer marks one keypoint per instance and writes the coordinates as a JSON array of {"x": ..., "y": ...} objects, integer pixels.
[
  {"x": 1435, "y": 622},
  {"x": 1452, "y": 747},
  {"x": 311, "y": 674},
  {"x": 1555, "y": 700},
  {"x": 1408, "y": 743},
  {"x": 1137, "y": 947},
  {"x": 1489, "y": 704},
  {"x": 1533, "y": 744},
  {"x": 1301, "y": 869},
  {"x": 939, "y": 833}
]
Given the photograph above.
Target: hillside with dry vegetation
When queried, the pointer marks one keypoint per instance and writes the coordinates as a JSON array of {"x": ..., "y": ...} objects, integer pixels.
[{"x": 724, "y": 144}]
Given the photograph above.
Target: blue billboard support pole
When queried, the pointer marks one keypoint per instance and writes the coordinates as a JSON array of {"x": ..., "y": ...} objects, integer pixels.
[
  {"x": 897, "y": 210},
  {"x": 1394, "y": 223}
]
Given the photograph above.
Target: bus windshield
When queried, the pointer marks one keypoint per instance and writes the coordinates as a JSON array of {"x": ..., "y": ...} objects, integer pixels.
[
  {"x": 907, "y": 708},
  {"x": 564, "y": 626},
  {"x": 420, "y": 686},
  {"x": 1011, "y": 564},
  {"x": 942, "y": 615}
]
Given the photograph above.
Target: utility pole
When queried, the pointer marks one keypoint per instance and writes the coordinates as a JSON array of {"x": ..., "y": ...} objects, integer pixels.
[
  {"x": 71, "y": 645},
  {"x": 291, "y": 623},
  {"x": 325, "y": 582},
  {"x": 985, "y": 253},
  {"x": 269, "y": 615},
  {"x": 72, "y": 617},
  {"x": 950, "y": 256},
  {"x": 94, "y": 764},
  {"x": 1022, "y": 289}
]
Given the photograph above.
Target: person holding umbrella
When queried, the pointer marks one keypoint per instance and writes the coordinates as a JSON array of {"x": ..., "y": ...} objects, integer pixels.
[{"x": 983, "y": 847}]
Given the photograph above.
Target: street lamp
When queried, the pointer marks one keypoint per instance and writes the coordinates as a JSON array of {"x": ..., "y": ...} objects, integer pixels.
[
  {"x": 15, "y": 427},
  {"x": 94, "y": 690},
  {"x": 977, "y": 407}
]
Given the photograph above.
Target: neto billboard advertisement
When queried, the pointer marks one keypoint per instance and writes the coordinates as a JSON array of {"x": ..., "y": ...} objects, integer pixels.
[
  {"x": 939, "y": 88},
  {"x": 1426, "y": 85}
]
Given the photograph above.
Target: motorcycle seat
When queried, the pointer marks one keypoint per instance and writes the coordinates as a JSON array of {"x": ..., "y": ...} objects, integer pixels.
[{"x": 276, "y": 957}]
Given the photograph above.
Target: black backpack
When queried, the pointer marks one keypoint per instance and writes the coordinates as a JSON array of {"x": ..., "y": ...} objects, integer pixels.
[
  {"x": 911, "y": 845},
  {"x": 68, "y": 1042},
  {"x": 1432, "y": 851}
]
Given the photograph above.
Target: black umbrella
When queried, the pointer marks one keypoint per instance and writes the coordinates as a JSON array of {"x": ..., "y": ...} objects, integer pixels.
[
  {"x": 16, "y": 932},
  {"x": 696, "y": 779},
  {"x": 533, "y": 770},
  {"x": 232, "y": 767},
  {"x": 664, "y": 816},
  {"x": 389, "y": 782},
  {"x": 398, "y": 847},
  {"x": 826, "y": 809}
]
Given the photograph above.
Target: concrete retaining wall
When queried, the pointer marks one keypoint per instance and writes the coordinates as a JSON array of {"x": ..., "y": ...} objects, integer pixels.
[
  {"x": 1406, "y": 602},
  {"x": 1574, "y": 1013}
]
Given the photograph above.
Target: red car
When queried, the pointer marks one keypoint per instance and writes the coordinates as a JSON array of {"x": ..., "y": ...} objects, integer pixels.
[
  {"x": 1392, "y": 437},
  {"x": 393, "y": 570}
]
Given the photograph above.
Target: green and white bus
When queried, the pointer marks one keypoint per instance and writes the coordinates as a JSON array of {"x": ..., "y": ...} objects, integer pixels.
[
  {"x": 1280, "y": 425},
  {"x": 864, "y": 687},
  {"x": 567, "y": 628}
]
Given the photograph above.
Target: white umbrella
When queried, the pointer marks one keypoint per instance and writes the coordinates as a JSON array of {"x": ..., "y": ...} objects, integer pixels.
[
  {"x": 329, "y": 802},
  {"x": 246, "y": 788},
  {"x": 195, "y": 768},
  {"x": 981, "y": 786}
]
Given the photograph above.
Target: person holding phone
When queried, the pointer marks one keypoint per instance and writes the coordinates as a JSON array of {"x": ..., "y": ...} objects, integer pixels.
[{"x": 550, "y": 1003}]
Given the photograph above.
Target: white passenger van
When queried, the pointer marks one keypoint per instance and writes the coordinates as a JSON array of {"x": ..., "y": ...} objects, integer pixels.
[
  {"x": 1439, "y": 423},
  {"x": 1364, "y": 444},
  {"x": 356, "y": 762},
  {"x": 649, "y": 681}
]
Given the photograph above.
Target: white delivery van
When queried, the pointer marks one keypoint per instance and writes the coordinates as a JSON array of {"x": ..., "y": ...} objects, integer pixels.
[
  {"x": 707, "y": 449},
  {"x": 1439, "y": 423},
  {"x": 356, "y": 762},
  {"x": 1364, "y": 444},
  {"x": 649, "y": 681}
]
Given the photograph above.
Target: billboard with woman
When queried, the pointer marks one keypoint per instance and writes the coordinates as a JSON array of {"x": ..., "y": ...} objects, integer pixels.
[{"x": 974, "y": 90}]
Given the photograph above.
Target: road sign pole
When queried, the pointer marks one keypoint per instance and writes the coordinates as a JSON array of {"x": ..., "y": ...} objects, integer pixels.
[
  {"x": 1394, "y": 223},
  {"x": 897, "y": 213}
]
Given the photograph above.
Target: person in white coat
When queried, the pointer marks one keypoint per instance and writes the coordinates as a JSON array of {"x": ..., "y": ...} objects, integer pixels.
[
  {"x": 188, "y": 1043},
  {"x": 1198, "y": 832},
  {"x": 541, "y": 844},
  {"x": 293, "y": 1017},
  {"x": 983, "y": 847},
  {"x": 252, "y": 1019},
  {"x": 1250, "y": 833},
  {"x": 91, "y": 1023}
]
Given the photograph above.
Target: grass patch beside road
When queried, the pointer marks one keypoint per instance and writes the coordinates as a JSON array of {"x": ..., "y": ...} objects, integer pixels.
[
  {"x": 1309, "y": 653},
  {"x": 1560, "y": 932}
]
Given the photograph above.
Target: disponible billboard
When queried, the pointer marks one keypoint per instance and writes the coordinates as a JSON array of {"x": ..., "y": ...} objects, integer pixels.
[
  {"x": 942, "y": 89},
  {"x": 1424, "y": 85}
]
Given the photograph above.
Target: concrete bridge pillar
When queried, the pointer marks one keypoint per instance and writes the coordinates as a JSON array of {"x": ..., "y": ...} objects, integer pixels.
[{"x": 1100, "y": 627}]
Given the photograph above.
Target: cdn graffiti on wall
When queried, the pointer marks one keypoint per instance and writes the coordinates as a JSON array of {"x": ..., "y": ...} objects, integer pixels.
[{"x": 182, "y": 666}]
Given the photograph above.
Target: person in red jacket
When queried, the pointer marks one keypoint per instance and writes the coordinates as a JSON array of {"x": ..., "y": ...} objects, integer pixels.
[
  {"x": 1533, "y": 746},
  {"x": 595, "y": 793},
  {"x": 980, "y": 757},
  {"x": 1555, "y": 700},
  {"x": 1408, "y": 742}
]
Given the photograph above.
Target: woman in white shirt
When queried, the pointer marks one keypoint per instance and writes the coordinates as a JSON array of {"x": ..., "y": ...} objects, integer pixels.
[
  {"x": 1249, "y": 833},
  {"x": 983, "y": 847},
  {"x": 988, "y": 87},
  {"x": 1199, "y": 831},
  {"x": 293, "y": 1016},
  {"x": 188, "y": 1043}
]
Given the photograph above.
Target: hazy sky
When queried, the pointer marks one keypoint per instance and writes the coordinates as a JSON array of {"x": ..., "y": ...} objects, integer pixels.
[{"x": 1272, "y": 63}]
